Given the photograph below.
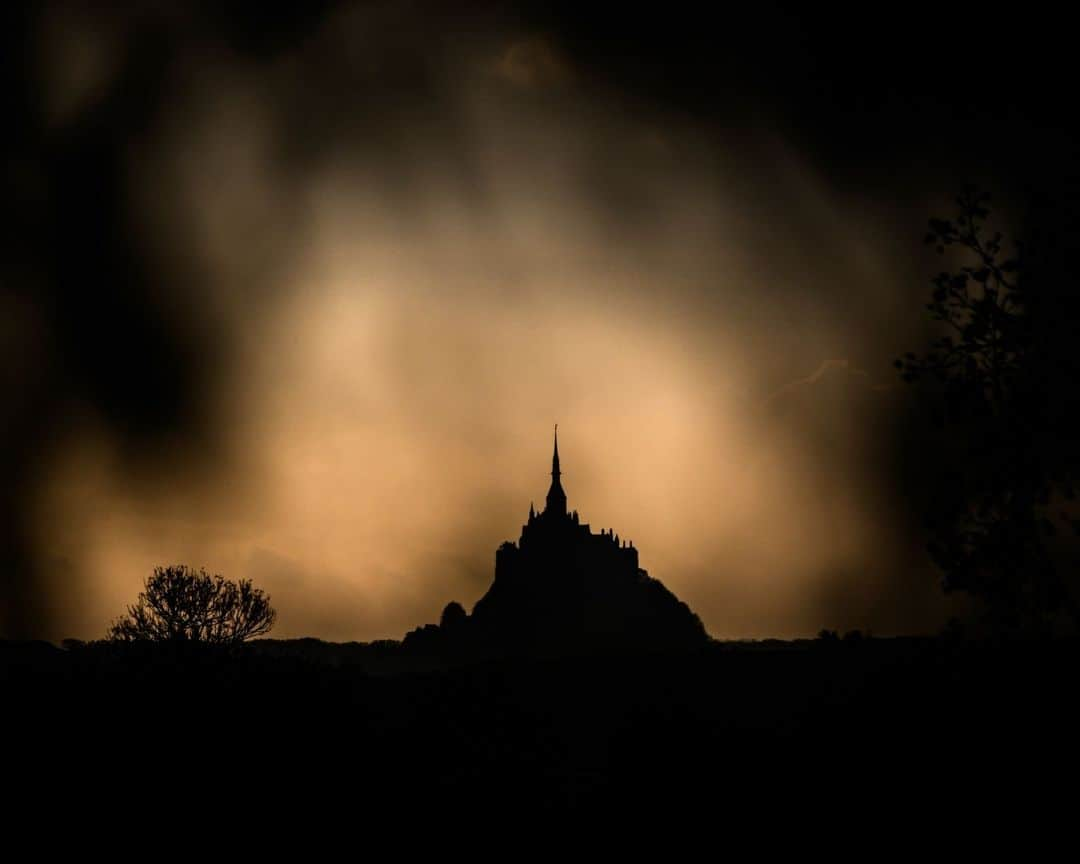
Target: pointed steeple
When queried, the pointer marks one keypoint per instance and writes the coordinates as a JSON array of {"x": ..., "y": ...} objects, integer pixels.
[
  {"x": 556, "y": 497},
  {"x": 555, "y": 472}
]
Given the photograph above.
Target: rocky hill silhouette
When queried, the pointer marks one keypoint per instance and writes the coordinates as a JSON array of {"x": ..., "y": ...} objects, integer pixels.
[{"x": 563, "y": 590}]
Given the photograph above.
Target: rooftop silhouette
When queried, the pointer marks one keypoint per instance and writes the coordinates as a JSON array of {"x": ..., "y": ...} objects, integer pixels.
[{"x": 563, "y": 589}]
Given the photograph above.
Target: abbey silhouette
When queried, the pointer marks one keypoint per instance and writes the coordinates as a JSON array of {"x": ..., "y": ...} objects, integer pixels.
[{"x": 563, "y": 589}]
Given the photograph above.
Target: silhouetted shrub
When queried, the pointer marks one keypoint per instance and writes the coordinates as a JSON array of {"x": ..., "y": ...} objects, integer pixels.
[
  {"x": 183, "y": 605},
  {"x": 426, "y": 638},
  {"x": 454, "y": 617}
]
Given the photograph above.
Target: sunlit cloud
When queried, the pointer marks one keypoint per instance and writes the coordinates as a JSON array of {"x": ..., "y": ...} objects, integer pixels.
[{"x": 409, "y": 319}]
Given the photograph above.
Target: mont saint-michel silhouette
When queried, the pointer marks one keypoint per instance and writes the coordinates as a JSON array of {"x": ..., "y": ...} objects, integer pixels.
[{"x": 563, "y": 589}]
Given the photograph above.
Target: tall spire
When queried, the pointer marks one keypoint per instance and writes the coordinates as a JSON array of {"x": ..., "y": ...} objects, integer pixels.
[
  {"x": 556, "y": 497},
  {"x": 555, "y": 472}
]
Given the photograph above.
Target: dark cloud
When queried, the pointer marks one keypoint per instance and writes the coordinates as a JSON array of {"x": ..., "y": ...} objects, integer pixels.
[{"x": 766, "y": 174}]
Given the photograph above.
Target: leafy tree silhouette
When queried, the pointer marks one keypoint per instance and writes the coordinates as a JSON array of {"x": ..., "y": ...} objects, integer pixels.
[
  {"x": 989, "y": 380},
  {"x": 454, "y": 617},
  {"x": 185, "y": 605}
]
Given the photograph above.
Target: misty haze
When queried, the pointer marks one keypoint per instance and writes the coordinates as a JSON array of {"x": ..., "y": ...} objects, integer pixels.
[{"x": 380, "y": 323}]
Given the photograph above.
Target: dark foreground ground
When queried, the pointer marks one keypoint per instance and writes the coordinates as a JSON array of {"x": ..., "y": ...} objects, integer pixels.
[{"x": 941, "y": 726}]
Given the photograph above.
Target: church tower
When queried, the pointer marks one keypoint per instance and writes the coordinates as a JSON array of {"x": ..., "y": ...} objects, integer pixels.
[{"x": 556, "y": 497}]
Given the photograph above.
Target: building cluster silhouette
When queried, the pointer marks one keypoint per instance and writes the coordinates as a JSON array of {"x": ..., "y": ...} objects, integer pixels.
[
  {"x": 556, "y": 536},
  {"x": 563, "y": 589}
]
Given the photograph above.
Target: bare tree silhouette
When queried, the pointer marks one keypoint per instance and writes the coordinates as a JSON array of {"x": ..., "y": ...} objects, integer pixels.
[{"x": 182, "y": 604}]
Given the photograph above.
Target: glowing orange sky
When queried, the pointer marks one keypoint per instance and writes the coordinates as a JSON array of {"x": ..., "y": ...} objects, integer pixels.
[{"x": 388, "y": 415}]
